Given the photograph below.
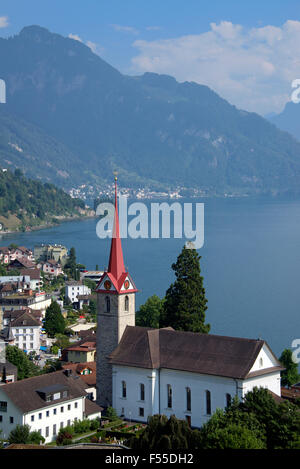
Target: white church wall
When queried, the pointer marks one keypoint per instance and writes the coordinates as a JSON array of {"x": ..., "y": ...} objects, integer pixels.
[{"x": 269, "y": 381}]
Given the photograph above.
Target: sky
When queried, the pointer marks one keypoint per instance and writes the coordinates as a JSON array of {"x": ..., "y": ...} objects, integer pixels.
[{"x": 246, "y": 51}]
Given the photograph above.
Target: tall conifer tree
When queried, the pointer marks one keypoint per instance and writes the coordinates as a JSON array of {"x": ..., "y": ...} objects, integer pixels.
[{"x": 185, "y": 301}]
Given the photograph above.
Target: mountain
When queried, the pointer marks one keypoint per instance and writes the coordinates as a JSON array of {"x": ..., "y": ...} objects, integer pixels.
[
  {"x": 71, "y": 110},
  {"x": 289, "y": 119},
  {"x": 25, "y": 203}
]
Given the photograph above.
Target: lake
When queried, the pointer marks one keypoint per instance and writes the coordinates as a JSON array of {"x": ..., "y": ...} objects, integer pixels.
[{"x": 250, "y": 264}]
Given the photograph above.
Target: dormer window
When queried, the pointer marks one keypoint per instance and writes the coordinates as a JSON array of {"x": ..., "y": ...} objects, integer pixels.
[{"x": 53, "y": 393}]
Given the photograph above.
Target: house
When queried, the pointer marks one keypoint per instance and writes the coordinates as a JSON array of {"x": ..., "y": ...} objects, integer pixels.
[
  {"x": 292, "y": 393},
  {"x": 87, "y": 372},
  {"x": 21, "y": 263},
  {"x": 81, "y": 352},
  {"x": 83, "y": 329},
  {"x": 163, "y": 371},
  {"x": 23, "y": 252},
  {"x": 8, "y": 373},
  {"x": 5, "y": 255},
  {"x": 75, "y": 288},
  {"x": 84, "y": 300},
  {"x": 9, "y": 316},
  {"x": 24, "y": 332},
  {"x": 46, "y": 403},
  {"x": 93, "y": 275},
  {"x": 44, "y": 252},
  {"x": 27, "y": 298},
  {"x": 34, "y": 277},
  {"x": 51, "y": 267}
]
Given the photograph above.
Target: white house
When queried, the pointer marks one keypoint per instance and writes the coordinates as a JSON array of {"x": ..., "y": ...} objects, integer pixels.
[
  {"x": 46, "y": 403},
  {"x": 75, "y": 289},
  {"x": 24, "y": 332},
  {"x": 190, "y": 375}
]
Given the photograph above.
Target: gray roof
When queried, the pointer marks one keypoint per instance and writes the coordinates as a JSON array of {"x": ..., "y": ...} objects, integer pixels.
[
  {"x": 24, "y": 393},
  {"x": 187, "y": 351}
]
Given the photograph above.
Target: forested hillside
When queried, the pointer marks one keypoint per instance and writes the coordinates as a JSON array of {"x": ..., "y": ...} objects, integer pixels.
[{"x": 25, "y": 202}]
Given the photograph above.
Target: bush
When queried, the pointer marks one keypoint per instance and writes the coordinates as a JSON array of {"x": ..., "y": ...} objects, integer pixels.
[
  {"x": 111, "y": 413},
  {"x": 82, "y": 426},
  {"x": 36, "y": 438}
]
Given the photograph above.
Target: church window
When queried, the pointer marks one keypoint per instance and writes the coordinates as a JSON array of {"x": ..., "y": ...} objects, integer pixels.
[
  {"x": 188, "y": 399},
  {"x": 142, "y": 392},
  {"x": 208, "y": 402},
  {"x": 123, "y": 389},
  {"x": 107, "y": 301},
  {"x": 261, "y": 362},
  {"x": 228, "y": 400},
  {"x": 141, "y": 411},
  {"x": 169, "y": 389},
  {"x": 126, "y": 303}
]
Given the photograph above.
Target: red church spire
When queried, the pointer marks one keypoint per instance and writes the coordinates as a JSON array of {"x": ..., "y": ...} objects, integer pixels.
[{"x": 116, "y": 262}]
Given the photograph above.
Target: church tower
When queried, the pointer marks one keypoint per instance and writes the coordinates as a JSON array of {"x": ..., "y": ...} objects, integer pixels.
[{"x": 115, "y": 310}]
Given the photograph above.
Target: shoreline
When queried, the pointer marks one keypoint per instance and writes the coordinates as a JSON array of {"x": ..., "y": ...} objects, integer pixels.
[{"x": 48, "y": 225}]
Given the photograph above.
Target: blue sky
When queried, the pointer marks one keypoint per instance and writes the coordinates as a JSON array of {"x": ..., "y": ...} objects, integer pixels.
[{"x": 247, "y": 51}]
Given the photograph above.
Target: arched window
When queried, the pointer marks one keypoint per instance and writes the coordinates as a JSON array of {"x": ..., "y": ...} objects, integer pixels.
[
  {"x": 169, "y": 390},
  {"x": 261, "y": 363},
  {"x": 188, "y": 399},
  {"x": 126, "y": 303},
  {"x": 142, "y": 392},
  {"x": 208, "y": 402},
  {"x": 107, "y": 302},
  {"x": 124, "y": 389},
  {"x": 228, "y": 400}
]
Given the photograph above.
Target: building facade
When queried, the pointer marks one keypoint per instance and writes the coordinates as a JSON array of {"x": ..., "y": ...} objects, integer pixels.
[
  {"x": 46, "y": 403},
  {"x": 162, "y": 371},
  {"x": 115, "y": 310}
]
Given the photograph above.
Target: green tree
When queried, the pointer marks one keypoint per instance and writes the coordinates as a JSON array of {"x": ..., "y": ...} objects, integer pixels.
[
  {"x": 149, "y": 313},
  {"x": 20, "y": 435},
  {"x": 54, "y": 321},
  {"x": 280, "y": 420},
  {"x": 111, "y": 413},
  {"x": 62, "y": 341},
  {"x": 162, "y": 433},
  {"x": 185, "y": 301},
  {"x": 17, "y": 357},
  {"x": 290, "y": 375}
]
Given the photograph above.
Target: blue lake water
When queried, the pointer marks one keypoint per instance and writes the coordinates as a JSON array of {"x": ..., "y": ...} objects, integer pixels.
[{"x": 250, "y": 264}]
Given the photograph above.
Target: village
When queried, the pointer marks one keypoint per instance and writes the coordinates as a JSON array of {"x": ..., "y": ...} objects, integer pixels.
[{"x": 76, "y": 369}]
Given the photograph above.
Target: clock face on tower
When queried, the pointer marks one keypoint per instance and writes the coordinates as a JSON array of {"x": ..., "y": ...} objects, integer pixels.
[
  {"x": 126, "y": 284},
  {"x": 107, "y": 284}
]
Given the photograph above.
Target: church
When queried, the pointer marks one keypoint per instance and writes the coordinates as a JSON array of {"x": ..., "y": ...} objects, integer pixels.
[{"x": 143, "y": 371}]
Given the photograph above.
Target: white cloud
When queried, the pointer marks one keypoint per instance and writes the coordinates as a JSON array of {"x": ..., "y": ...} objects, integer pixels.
[
  {"x": 3, "y": 21},
  {"x": 92, "y": 45},
  {"x": 251, "y": 68},
  {"x": 125, "y": 29},
  {"x": 75, "y": 37}
]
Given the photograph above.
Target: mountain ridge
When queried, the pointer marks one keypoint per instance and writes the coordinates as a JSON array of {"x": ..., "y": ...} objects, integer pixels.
[{"x": 153, "y": 129}]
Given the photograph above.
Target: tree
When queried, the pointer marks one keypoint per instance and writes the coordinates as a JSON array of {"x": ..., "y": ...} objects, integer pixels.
[
  {"x": 111, "y": 413},
  {"x": 149, "y": 313},
  {"x": 290, "y": 375},
  {"x": 185, "y": 301},
  {"x": 163, "y": 434},
  {"x": 17, "y": 357},
  {"x": 54, "y": 321},
  {"x": 20, "y": 435},
  {"x": 280, "y": 420}
]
